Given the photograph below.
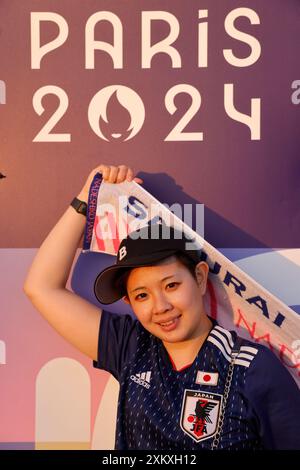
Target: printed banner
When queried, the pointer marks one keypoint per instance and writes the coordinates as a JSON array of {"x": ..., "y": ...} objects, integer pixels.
[{"x": 233, "y": 298}]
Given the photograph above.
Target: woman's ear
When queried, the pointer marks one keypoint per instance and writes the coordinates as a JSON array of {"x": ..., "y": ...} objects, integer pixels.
[
  {"x": 126, "y": 299},
  {"x": 201, "y": 272}
]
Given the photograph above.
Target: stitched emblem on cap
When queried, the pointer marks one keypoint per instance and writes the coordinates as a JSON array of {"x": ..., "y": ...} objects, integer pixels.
[{"x": 122, "y": 252}]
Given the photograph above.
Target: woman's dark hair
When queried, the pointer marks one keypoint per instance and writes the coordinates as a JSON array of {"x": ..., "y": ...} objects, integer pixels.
[
  {"x": 187, "y": 261},
  {"x": 183, "y": 258}
]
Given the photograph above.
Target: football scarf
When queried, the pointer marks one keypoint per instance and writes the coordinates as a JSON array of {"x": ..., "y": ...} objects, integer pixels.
[{"x": 236, "y": 300}]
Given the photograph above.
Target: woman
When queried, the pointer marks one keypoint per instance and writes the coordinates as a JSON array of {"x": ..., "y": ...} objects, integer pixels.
[{"x": 185, "y": 382}]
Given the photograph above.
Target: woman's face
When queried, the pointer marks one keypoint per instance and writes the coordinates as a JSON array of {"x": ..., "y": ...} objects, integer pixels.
[{"x": 167, "y": 299}]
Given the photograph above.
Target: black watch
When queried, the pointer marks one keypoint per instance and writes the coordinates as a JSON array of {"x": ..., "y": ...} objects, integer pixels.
[{"x": 79, "y": 206}]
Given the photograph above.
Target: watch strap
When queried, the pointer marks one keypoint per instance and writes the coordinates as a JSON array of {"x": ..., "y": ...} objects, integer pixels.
[{"x": 79, "y": 206}]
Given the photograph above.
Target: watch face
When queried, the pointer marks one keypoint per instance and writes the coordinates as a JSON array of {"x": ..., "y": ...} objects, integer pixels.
[{"x": 82, "y": 208}]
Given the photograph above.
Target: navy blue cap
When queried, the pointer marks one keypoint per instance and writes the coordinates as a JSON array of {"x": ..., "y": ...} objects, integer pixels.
[{"x": 143, "y": 247}]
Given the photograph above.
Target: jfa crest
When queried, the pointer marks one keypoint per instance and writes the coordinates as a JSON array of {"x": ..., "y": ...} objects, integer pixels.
[{"x": 200, "y": 414}]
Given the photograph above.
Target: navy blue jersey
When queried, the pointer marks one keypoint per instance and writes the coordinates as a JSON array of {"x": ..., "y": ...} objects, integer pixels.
[{"x": 161, "y": 408}]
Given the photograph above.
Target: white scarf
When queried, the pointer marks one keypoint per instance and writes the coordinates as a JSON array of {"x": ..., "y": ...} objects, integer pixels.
[{"x": 236, "y": 300}]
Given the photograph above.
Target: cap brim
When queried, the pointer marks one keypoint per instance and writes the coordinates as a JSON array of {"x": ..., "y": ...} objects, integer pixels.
[{"x": 105, "y": 287}]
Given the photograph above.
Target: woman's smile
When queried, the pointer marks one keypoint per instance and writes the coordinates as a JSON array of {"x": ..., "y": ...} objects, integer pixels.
[{"x": 171, "y": 324}]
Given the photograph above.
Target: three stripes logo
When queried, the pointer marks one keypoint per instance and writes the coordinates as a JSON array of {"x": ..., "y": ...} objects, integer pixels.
[
  {"x": 224, "y": 342},
  {"x": 142, "y": 379}
]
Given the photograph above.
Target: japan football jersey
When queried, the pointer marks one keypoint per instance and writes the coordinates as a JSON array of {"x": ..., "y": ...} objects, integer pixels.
[{"x": 161, "y": 408}]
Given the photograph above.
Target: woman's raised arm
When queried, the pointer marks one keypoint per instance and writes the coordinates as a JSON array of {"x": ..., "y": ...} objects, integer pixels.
[{"x": 73, "y": 317}]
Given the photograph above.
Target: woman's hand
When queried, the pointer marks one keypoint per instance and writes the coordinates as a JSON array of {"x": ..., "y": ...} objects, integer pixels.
[{"x": 110, "y": 174}]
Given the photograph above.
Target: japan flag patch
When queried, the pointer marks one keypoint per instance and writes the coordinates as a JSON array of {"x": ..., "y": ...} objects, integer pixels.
[{"x": 207, "y": 378}]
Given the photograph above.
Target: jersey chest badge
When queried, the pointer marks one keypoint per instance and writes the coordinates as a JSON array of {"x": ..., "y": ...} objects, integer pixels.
[{"x": 200, "y": 414}]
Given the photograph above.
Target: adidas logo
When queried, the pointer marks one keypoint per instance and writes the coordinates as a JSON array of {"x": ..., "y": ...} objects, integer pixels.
[{"x": 142, "y": 379}]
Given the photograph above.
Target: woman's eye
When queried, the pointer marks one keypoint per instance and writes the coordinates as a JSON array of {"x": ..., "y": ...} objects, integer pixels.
[
  {"x": 141, "y": 296},
  {"x": 171, "y": 285}
]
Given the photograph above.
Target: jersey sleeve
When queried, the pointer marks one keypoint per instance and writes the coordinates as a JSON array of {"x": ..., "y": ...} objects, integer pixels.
[
  {"x": 275, "y": 398},
  {"x": 116, "y": 342}
]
